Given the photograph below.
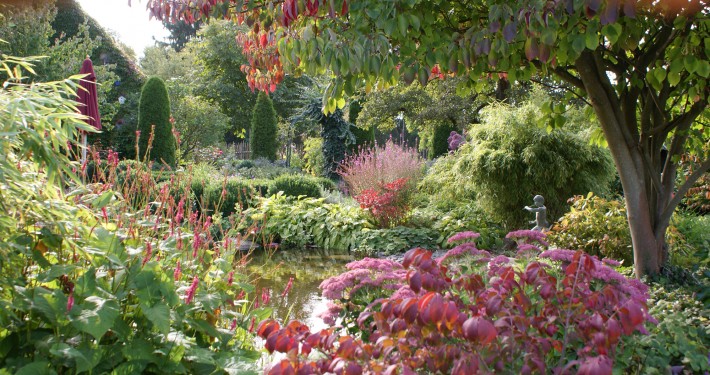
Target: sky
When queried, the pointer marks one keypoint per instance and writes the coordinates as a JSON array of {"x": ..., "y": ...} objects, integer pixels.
[{"x": 131, "y": 24}]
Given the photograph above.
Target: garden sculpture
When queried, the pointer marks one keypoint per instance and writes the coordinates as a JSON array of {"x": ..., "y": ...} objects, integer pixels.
[{"x": 540, "y": 211}]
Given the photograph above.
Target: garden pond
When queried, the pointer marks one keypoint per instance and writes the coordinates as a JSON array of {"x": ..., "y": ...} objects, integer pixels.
[{"x": 308, "y": 268}]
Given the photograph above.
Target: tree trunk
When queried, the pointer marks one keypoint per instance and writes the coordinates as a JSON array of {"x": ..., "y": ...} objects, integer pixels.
[{"x": 628, "y": 159}]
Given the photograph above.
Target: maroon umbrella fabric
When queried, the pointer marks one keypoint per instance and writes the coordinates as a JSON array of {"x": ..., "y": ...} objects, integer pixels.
[{"x": 87, "y": 99}]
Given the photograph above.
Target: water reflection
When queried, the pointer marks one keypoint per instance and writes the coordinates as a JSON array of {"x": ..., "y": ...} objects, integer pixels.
[{"x": 308, "y": 268}]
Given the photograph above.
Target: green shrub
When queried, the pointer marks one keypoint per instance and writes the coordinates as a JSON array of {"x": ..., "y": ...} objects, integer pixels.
[
  {"x": 456, "y": 219},
  {"x": 262, "y": 137},
  {"x": 326, "y": 183},
  {"x": 681, "y": 337},
  {"x": 244, "y": 164},
  {"x": 510, "y": 159},
  {"x": 154, "y": 110},
  {"x": 313, "y": 160},
  {"x": 226, "y": 196},
  {"x": 597, "y": 226},
  {"x": 377, "y": 242},
  {"x": 296, "y": 185},
  {"x": 439, "y": 141},
  {"x": 301, "y": 222}
]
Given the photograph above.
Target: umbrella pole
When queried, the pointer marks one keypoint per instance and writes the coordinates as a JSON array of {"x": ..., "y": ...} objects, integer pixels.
[{"x": 83, "y": 148}]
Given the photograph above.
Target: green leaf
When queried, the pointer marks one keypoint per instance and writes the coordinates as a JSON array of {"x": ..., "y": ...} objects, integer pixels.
[
  {"x": 138, "y": 350},
  {"x": 703, "y": 69},
  {"x": 403, "y": 24},
  {"x": 34, "y": 368},
  {"x": 691, "y": 63},
  {"x": 673, "y": 78},
  {"x": 578, "y": 44},
  {"x": 86, "y": 283},
  {"x": 102, "y": 200},
  {"x": 159, "y": 315},
  {"x": 96, "y": 316},
  {"x": 612, "y": 31},
  {"x": 415, "y": 22},
  {"x": 591, "y": 40},
  {"x": 548, "y": 37}
]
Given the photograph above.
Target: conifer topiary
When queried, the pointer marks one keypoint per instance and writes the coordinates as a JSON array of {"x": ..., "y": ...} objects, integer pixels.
[
  {"x": 262, "y": 138},
  {"x": 154, "y": 110}
]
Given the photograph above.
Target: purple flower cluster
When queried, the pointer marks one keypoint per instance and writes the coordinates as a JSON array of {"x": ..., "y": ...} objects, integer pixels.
[{"x": 455, "y": 140}]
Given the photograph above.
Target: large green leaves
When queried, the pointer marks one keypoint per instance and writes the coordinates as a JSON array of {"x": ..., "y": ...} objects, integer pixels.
[{"x": 96, "y": 316}]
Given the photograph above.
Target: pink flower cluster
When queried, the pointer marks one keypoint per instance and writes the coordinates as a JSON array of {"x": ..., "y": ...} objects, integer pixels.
[
  {"x": 463, "y": 236},
  {"x": 368, "y": 272},
  {"x": 528, "y": 236}
]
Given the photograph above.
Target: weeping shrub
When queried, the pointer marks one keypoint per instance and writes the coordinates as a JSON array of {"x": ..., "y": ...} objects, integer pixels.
[
  {"x": 154, "y": 116},
  {"x": 262, "y": 138}
]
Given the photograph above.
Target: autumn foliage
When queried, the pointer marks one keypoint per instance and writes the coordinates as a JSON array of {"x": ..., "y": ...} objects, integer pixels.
[{"x": 471, "y": 312}]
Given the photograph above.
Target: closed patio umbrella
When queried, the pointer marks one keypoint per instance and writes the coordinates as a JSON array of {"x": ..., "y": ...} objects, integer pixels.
[{"x": 88, "y": 101}]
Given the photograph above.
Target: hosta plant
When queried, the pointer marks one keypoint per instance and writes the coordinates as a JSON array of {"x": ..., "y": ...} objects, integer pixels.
[{"x": 468, "y": 312}]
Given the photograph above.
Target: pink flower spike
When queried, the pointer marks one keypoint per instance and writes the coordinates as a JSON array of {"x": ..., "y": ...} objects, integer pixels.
[
  {"x": 289, "y": 285},
  {"x": 70, "y": 300},
  {"x": 191, "y": 292}
]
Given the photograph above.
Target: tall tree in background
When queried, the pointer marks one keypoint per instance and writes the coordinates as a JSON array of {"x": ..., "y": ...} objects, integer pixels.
[
  {"x": 154, "y": 117},
  {"x": 643, "y": 66},
  {"x": 262, "y": 137},
  {"x": 181, "y": 32}
]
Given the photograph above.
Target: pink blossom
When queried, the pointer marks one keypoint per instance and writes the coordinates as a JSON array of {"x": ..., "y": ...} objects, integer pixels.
[
  {"x": 463, "y": 235},
  {"x": 148, "y": 252},
  {"x": 331, "y": 313},
  {"x": 191, "y": 291},
  {"x": 233, "y": 325},
  {"x": 70, "y": 300},
  {"x": 289, "y": 285},
  {"x": 178, "y": 271},
  {"x": 403, "y": 293},
  {"x": 230, "y": 278},
  {"x": 466, "y": 248},
  {"x": 265, "y": 295}
]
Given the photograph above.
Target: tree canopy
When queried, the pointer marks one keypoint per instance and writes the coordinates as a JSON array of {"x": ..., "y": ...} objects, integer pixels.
[{"x": 642, "y": 65}]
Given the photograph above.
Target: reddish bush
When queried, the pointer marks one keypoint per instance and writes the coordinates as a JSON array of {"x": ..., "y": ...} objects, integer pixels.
[
  {"x": 388, "y": 204},
  {"x": 470, "y": 312},
  {"x": 373, "y": 167}
]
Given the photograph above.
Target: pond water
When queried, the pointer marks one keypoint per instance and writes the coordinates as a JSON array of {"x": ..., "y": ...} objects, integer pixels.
[{"x": 308, "y": 269}]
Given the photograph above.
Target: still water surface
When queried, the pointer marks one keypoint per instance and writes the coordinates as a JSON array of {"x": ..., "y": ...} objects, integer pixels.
[{"x": 308, "y": 269}]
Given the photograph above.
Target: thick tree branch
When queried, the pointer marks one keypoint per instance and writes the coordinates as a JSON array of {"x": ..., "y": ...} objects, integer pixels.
[
  {"x": 567, "y": 76},
  {"x": 683, "y": 189},
  {"x": 655, "y": 49}
]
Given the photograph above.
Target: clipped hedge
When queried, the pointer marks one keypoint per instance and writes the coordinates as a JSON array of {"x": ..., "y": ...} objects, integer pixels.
[{"x": 296, "y": 185}]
